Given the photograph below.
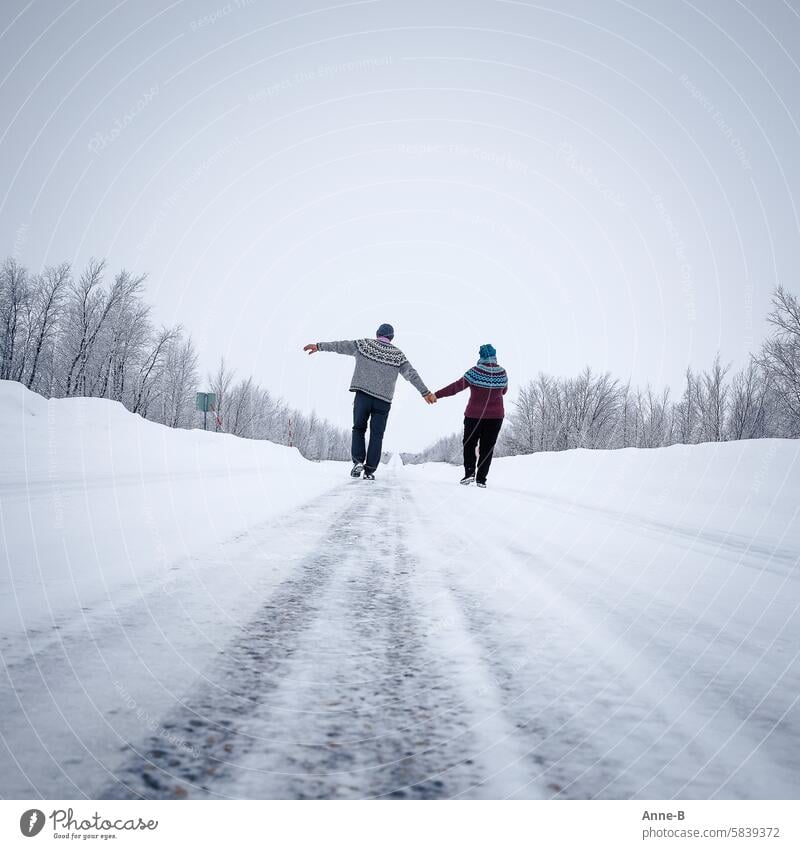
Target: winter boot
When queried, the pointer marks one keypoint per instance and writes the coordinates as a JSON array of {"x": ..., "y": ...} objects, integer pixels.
[
  {"x": 369, "y": 476},
  {"x": 355, "y": 472},
  {"x": 482, "y": 484},
  {"x": 467, "y": 480}
]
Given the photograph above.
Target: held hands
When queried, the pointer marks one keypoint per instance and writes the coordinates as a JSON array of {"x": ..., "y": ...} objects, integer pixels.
[
  {"x": 430, "y": 398},
  {"x": 312, "y": 349}
]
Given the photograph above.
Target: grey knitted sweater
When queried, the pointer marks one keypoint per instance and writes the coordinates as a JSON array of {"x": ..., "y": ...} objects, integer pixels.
[{"x": 377, "y": 366}]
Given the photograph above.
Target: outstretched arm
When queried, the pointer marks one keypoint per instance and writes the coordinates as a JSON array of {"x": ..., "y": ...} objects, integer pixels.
[
  {"x": 453, "y": 388},
  {"x": 344, "y": 347},
  {"x": 410, "y": 374}
]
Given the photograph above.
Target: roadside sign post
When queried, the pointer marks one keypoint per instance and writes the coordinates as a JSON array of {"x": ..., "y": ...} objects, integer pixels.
[{"x": 205, "y": 401}]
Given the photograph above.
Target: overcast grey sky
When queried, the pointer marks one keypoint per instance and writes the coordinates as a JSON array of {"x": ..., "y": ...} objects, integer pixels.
[{"x": 580, "y": 182}]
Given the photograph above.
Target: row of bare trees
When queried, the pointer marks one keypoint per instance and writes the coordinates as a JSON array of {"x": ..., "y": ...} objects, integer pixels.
[
  {"x": 246, "y": 409},
  {"x": 63, "y": 336},
  {"x": 599, "y": 411}
]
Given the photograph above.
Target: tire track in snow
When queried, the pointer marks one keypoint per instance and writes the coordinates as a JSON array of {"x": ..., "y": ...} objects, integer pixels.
[
  {"x": 342, "y": 685},
  {"x": 688, "y": 692},
  {"x": 520, "y": 659},
  {"x": 76, "y": 695},
  {"x": 198, "y": 741},
  {"x": 389, "y": 714},
  {"x": 737, "y": 548},
  {"x": 600, "y": 728}
]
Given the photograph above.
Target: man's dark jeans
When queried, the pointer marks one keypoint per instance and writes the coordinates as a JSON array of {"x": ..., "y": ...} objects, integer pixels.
[
  {"x": 375, "y": 411},
  {"x": 480, "y": 434}
]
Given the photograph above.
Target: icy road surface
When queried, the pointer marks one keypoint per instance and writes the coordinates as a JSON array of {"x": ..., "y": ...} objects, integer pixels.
[{"x": 411, "y": 638}]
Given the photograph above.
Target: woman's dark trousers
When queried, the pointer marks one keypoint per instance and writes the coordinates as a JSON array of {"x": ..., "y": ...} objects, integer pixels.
[
  {"x": 367, "y": 409},
  {"x": 480, "y": 435}
]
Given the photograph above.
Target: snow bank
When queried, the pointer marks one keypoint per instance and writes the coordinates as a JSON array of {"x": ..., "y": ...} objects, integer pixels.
[
  {"x": 641, "y": 607},
  {"x": 743, "y": 490},
  {"x": 94, "y": 499}
]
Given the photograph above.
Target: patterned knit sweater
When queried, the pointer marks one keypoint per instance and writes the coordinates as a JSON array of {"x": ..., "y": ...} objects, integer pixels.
[
  {"x": 377, "y": 366},
  {"x": 487, "y": 383}
]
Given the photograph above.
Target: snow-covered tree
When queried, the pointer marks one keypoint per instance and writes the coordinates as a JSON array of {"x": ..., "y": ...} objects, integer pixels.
[
  {"x": 712, "y": 401},
  {"x": 780, "y": 357},
  {"x": 15, "y": 309},
  {"x": 751, "y": 407},
  {"x": 179, "y": 384}
]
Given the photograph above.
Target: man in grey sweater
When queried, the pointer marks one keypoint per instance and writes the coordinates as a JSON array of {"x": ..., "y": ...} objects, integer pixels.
[{"x": 378, "y": 362}]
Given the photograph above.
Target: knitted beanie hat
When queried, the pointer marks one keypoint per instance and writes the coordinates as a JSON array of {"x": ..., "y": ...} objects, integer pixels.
[
  {"x": 385, "y": 330},
  {"x": 487, "y": 351}
]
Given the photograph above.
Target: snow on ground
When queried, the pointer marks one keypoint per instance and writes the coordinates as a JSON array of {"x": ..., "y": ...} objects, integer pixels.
[
  {"x": 95, "y": 500},
  {"x": 192, "y": 615},
  {"x": 641, "y": 609}
]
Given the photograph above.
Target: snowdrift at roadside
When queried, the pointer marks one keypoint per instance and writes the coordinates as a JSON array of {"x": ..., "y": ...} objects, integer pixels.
[
  {"x": 746, "y": 490},
  {"x": 641, "y": 607},
  {"x": 93, "y": 498}
]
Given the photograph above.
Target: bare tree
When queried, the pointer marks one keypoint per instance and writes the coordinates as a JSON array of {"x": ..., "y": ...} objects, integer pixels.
[
  {"x": 151, "y": 370},
  {"x": 712, "y": 398},
  {"x": 14, "y": 305},
  {"x": 126, "y": 341},
  {"x": 91, "y": 312},
  {"x": 780, "y": 357},
  {"x": 48, "y": 303},
  {"x": 687, "y": 411},
  {"x": 240, "y": 408},
  {"x": 654, "y": 419},
  {"x": 220, "y": 384},
  {"x": 749, "y": 408},
  {"x": 524, "y": 422},
  {"x": 180, "y": 381}
]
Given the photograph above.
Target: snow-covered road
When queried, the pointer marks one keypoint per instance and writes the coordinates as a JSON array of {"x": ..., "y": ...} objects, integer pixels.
[
  {"x": 343, "y": 682},
  {"x": 415, "y": 639}
]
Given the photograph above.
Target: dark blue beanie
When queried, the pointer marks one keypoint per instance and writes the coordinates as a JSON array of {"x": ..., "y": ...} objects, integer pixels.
[
  {"x": 385, "y": 330},
  {"x": 487, "y": 351}
]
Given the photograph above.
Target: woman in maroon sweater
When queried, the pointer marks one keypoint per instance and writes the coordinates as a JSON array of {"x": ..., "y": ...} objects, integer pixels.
[{"x": 483, "y": 416}]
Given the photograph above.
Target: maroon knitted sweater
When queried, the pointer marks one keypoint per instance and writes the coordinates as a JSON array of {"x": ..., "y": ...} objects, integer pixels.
[{"x": 483, "y": 403}]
